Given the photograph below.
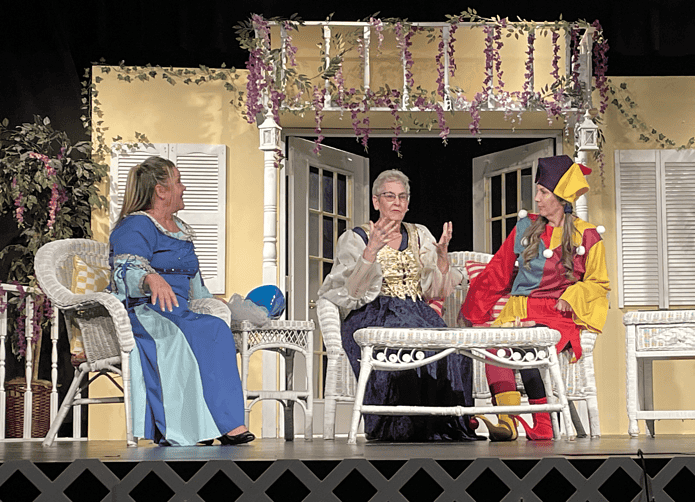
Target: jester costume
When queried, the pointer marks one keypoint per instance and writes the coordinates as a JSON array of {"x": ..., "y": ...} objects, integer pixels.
[
  {"x": 184, "y": 378},
  {"x": 537, "y": 286},
  {"x": 390, "y": 292}
]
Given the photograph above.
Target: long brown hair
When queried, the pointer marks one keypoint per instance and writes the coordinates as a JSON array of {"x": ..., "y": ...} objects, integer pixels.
[
  {"x": 533, "y": 238},
  {"x": 141, "y": 183}
]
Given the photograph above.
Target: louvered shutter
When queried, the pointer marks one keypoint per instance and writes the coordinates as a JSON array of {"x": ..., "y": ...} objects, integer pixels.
[
  {"x": 203, "y": 171},
  {"x": 679, "y": 209},
  {"x": 655, "y": 207},
  {"x": 637, "y": 209}
]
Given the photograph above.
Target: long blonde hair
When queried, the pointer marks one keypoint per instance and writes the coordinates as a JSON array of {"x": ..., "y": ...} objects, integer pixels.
[
  {"x": 533, "y": 238},
  {"x": 141, "y": 183}
]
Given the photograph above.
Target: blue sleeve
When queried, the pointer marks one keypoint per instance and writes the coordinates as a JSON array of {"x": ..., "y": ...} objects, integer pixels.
[{"x": 132, "y": 247}]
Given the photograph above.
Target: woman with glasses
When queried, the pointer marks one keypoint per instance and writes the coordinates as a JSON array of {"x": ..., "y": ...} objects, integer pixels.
[{"x": 384, "y": 273}]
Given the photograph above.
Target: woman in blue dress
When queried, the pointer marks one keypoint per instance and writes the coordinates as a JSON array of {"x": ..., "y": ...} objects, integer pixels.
[
  {"x": 185, "y": 383},
  {"x": 384, "y": 273}
]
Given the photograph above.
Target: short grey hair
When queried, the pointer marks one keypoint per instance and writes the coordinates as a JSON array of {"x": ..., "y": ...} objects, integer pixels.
[{"x": 390, "y": 175}]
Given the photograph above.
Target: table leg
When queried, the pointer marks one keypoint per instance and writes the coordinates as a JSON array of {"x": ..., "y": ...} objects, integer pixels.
[
  {"x": 631, "y": 380},
  {"x": 288, "y": 410},
  {"x": 557, "y": 378},
  {"x": 365, "y": 371},
  {"x": 646, "y": 383}
]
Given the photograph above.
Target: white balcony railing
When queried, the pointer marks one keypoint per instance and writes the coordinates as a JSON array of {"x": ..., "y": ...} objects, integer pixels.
[{"x": 29, "y": 370}]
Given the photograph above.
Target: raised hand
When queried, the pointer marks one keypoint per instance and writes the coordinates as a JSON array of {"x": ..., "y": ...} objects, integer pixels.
[
  {"x": 161, "y": 290},
  {"x": 380, "y": 233},
  {"x": 443, "y": 244},
  {"x": 442, "y": 247}
]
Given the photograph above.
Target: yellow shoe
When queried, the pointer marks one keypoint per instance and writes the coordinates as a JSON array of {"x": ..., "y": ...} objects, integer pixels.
[{"x": 505, "y": 430}]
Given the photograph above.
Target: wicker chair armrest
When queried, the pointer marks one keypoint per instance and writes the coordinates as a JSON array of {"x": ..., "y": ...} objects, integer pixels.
[
  {"x": 329, "y": 321},
  {"x": 211, "y": 306},
  {"x": 118, "y": 313}
]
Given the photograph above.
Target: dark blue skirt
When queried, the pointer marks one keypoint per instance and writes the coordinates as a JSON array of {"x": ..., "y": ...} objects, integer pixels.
[{"x": 447, "y": 382}]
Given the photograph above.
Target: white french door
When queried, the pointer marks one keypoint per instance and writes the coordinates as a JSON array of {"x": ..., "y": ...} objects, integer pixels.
[
  {"x": 327, "y": 194},
  {"x": 503, "y": 184}
]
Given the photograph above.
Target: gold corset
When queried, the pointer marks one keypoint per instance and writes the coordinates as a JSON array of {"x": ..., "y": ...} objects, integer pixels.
[{"x": 401, "y": 269}]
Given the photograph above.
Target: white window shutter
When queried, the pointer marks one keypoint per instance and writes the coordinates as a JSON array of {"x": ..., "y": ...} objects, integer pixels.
[
  {"x": 203, "y": 171},
  {"x": 638, "y": 215},
  {"x": 679, "y": 212},
  {"x": 122, "y": 159}
]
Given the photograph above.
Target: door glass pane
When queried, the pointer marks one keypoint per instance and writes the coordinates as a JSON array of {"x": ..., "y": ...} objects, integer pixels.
[
  {"x": 328, "y": 237},
  {"x": 328, "y": 191},
  {"x": 314, "y": 233},
  {"x": 314, "y": 278},
  {"x": 313, "y": 188},
  {"x": 526, "y": 190},
  {"x": 511, "y": 223},
  {"x": 510, "y": 192},
  {"x": 496, "y": 196},
  {"x": 496, "y": 235},
  {"x": 341, "y": 193}
]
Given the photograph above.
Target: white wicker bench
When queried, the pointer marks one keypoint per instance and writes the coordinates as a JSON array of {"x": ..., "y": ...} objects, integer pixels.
[
  {"x": 398, "y": 349},
  {"x": 649, "y": 336}
]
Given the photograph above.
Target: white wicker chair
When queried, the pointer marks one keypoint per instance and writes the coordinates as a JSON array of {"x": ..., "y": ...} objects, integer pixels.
[
  {"x": 341, "y": 383},
  {"x": 106, "y": 331}
]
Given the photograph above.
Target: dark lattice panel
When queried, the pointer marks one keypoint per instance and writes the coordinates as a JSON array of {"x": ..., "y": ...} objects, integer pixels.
[{"x": 354, "y": 480}]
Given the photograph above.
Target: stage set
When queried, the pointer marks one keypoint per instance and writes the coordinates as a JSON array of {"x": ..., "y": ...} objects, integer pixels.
[{"x": 607, "y": 468}]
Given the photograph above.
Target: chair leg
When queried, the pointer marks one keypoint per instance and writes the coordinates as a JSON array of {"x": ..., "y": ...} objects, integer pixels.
[
  {"x": 330, "y": 402},
  {"x": 65, "y": 406},
  {"x": 125, "y": 375}
]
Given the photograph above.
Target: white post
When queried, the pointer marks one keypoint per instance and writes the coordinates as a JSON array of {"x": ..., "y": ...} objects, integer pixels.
[
  {"x": 269, "y": 144},
  {"x": 586, "y": 141},
  {"x": 270, "y": 141}
]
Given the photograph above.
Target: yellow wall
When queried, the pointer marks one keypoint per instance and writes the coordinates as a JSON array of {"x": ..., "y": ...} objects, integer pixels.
[
  {"x": 191, "y": 114},
  {"x": 666, "y": 104}
]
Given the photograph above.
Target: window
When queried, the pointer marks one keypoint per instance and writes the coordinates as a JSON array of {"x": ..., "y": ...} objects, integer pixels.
[
  {"x": 203, "y": 171},
  {"x": 655, "y": 212}
]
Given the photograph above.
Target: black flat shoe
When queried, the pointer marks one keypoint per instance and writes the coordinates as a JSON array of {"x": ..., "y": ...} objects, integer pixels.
[{"x": 244, "y": 437}]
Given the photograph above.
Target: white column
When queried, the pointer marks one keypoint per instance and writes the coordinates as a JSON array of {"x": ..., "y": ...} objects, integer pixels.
[{"x": 269, "y": 143}]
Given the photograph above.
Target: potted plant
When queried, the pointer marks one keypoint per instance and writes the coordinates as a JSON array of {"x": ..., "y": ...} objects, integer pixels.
[{"x": 50, "y": 187}]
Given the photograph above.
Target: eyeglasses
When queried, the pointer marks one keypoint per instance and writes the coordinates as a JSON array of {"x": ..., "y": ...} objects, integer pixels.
[{"x": 391, "y": 197}]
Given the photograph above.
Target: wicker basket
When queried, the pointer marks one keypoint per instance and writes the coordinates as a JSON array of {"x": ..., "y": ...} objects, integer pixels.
[{"x": 40, "y": 409}]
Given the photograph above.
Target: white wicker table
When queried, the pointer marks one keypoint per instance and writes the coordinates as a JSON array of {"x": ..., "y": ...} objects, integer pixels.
[
  {"x": 398, "y": 349},
  {"x": 652, "y": 335},
  {"x": 286, "y": 338}
]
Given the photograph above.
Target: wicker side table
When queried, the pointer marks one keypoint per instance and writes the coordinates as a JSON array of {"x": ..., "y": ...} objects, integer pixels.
[
  {"x": 649, "y": 336},
  {"x": 287, "y": 338}
]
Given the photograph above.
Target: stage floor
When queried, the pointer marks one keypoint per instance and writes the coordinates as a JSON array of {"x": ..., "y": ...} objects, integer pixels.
[
  {"x": 319, "y": 450},
  {"x": 275, "y": 470}
]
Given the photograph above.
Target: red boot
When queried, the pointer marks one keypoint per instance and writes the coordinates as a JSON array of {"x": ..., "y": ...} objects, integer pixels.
[{"x": 542, "y": 426}]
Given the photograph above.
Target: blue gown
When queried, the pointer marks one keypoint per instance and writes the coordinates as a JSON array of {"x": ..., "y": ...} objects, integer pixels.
[{"x": 185, "y": 383}]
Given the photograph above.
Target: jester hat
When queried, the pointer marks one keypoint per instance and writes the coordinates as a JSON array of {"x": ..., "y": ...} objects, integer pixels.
[{"x": 562, "y": 176}]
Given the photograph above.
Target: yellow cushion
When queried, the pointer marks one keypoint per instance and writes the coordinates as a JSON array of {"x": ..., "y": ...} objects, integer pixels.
[{"x": 85, "y": 279}]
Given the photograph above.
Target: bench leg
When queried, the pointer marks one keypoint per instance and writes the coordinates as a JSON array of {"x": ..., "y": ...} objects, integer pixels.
[{"x": 365, "y": 371}]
